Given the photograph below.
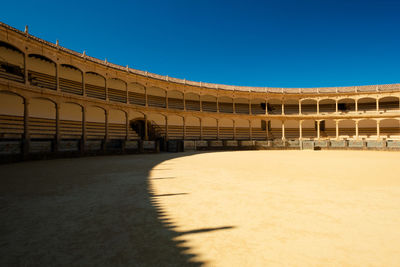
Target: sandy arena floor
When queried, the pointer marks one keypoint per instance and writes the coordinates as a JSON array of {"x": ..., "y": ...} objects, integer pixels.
[{"x": 252, "y": 208}]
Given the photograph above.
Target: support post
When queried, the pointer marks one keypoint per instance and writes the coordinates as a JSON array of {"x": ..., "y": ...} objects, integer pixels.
[
  {"x": 58, "y": 130},
  {"x": 83, "y": 138},
  {"x": 336, "y": 106},
  {"x": 318, "y": 130},
  {"x": 217, "y": 129},
  {"x": 106, "y": 130},
  {"x": 184, "y": 128},
  {"x": 283, "y": 108},
  {"x": 146, "y": 133},
  {"x": 166, "y": 99},
  {"x": 377, "y": 105},
  {"x": 166, "y": 128},
  {"x": 301, "y": 130},
  {"x": 378, "y": 130},
  {"x": 26, "y": 139},
  {"x": 127, "y": 126},
  {"x": 26, "y": 68},
  {"x": 266, "y": 106},
  {"x": 184, "y": 101},
  {"x": 299, "y": 107},
  {"x": 234, "y": 129},
  {"x": 267, "y": 129},
  {"x": 318, "y": 107},
  {"x": 250, "y": 131},
  {"x": 356, "y": 130},
  {"x": 57, "y": 77},
  {"x": 337, "y": 129},
  {"x": 83, "y": 84},
  {"x": 146, "y": 99},
  {"x": 356, "y": 104},
  {"x": 201, "y": 129},
  {"x": 106, "y": 86},
  {"x": 283, "y": 131}
]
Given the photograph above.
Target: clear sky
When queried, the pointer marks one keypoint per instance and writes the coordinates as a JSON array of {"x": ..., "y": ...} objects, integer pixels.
[{"x": 278, "y": 43}]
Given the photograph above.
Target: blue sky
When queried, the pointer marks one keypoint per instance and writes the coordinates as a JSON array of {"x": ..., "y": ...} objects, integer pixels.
[{"x": 279, "y": 43}]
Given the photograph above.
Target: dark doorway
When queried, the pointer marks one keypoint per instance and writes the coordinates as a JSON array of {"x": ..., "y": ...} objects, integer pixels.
[{"x": 138, "y": 126}]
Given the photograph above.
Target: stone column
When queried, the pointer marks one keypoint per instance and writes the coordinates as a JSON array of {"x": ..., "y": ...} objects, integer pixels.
[
  {"x": 127, "y": 94},
  {"x": 267, "y": 129},
  {"x": 184, "y": 101},
  {"x": 106, "y": 86},
  {"x": 378, "y": 130},
  {"x": 201, "y": 128},
  {"x": 377, "y": 105},
  {"x": 146, "y": 101},
  {"x": 336, "y": 103},
  {"x": 201, "y": 104},
  {"x": 83, "y": 139},
  {"x": 250, "y": 131},
  {"x": 266, "y": 107},
  {"x": 233, "y": 106},
  {"x": 127, "y": 126},
  {"x": 106, "y": 136},
  {"x": 283, "y": 131},
  {"x": 166, "y": 99},
  {"x": 217, "y": 105},
  {"x": 166, "y": 128},
  {"x": 184, "y": 128},
  {"x": 146, "y": 132},
  {"x": 301, "y": 129},
  {"x": 318, "y": 107},
  {"x": 356, "y": 130},
  {"x": 299, "y": 107},
  {"x": 318, "y": 130},
  {"x": 58, "y": 130},
  {"x": 234, "y": 129},
  {"x": 356, "y": 103},
  {"x": 283, "y": 107},
  {"x": 26, "y": 138},
  {"x": 250, "y": 106},
  {"x": 337, "y": 129},
  {"x": 217, "y": 129}
]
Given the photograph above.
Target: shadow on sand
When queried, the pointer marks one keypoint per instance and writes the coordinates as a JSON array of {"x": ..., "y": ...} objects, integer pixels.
[{"x": 95, "y": 211}]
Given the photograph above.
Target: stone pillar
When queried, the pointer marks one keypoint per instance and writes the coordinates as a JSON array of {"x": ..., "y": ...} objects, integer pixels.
[
  {"x": 106, "y": 136},
  {"x": 127, "y": 126},
  {"x": 318, "y": 130},
  {"x": 233, "y": 106},
  {"x": 250, "y": 106},
  {"x": 356, "y": 130},
  {"x": 26, "y": 137},
  {"x": 57, "y": 77},
  {"x": 283, "y": 108},
  {"x": 184, "y": 128},
  {"x": 301, "y": 129},
  {"x": 250, "y": 131},
  {"x": 58, "y": 130},
  {"x": 146, "y": 131},
  {"x": 234, "y": 129},
  {"x": 201, "y": 129},
  {"x": 356, "y": 103},
  {"x": 145, "y": 97},
  {"x": 127, "y": 94},
  {"x": 166, "y": 99},
  {"x": 217, "y": 129},
  {"x": 184, "y": 101},
  {"x": 299, "y": 107},
  {"x": 378, "y": 130},
  {"x": 336, "y": 103},
  {"x": 166, "y": 128},
  {"x": 83, "y": 139},
  {"x": 201, "y": 104},
  {"x": 217, "y": 105},
  {"x": 106, "y": 86},
  {"x": 266, "y": 108},
  {"x": 337, "y": 129},
  {"x": 318, "y": 107},
  {"x": 267, "y": 129},
  {"x": 377, "y": 105},
  {"x": 283, "y": 131}
]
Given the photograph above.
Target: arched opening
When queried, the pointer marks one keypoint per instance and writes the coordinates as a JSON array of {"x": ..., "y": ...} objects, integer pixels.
[
  {"x": 192, "y": 128},
  {"x": 366, "y": 104},
  {"x": 390, "y": 128},
  {"x": 242, "y": 129},
  {"x": 209, "y": 126},
  {"x": 309, "y": 106},
  {"x": 175, "y": 100},
  {"x": 327, "y": 106},
  {"x": 117, "y": 124},
  {"x": 12, "y": 66},
  {"x": 292, "y": 129},
  {"x": 346, "y": 105},
  {"x": 175, "y": 127},
  {"x": 70, "y": 121},
  {"x": 70, "y": 79},
  {"x": 389, "y": 103},
  {"x": 137, "y": 94},
  {"x": 11, "y": 116},
  {"x": 275, "y": 129},
  {"x": 95, "y": 85},
  {"x": 274, "y": 106},
  {"x": 225, "y": 104},
  {"x": 309, "y": 129},
  {"x": 366, "y": 129},
  {"x": 347, "y": 129},
  {"x": 225, "y": 129},
  {"x": 329, "y": 130},
  {"x": 156, "y": 127},
  {"x": 95, "y": 122},
  {"x": 291, "y": 107},
  {"x": 192, "y": 101},
  {"x": 156, "y": 97},
  {"x": 116, "y": 89},
  {"x": 258, "y": 129},
  {"x": 258, "y": 106},
  {"x": 42, "y": 115},
  {"x": 209, "y": 103},
  {"x": 42, "y": 72},
  {"x": 241, "y": 105},
  {"x": 136, "y": 126}
]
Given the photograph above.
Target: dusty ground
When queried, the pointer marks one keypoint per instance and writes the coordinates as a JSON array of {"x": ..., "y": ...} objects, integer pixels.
[{"x": 255, "y": 208}]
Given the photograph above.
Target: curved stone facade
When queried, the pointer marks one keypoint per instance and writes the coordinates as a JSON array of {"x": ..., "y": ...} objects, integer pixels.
[{"x": 55, "y": 99}]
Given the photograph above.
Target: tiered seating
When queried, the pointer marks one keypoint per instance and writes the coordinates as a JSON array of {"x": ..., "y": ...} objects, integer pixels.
[
  {"x": 292, "y": 133},
  {"x": 116, "y": 131},
  {"x": 275, "y": 133},
  {"x": 72, "y": 87},
  {"x": 366, "y": 132},
  {"x": 242, "y": 108},
  {"x": 11, "y": 72},
  {"x": 95, "y": 91},
  {"x": 308, "y": 109},
  {"x": 225, "y": 107},
  {"x": 11, "y": 126},
  {"x": 175, "y": 132},
  {"x": 116, "y": 95},
  {"x": 327, "y": 108},
  {"x": 209, "y": 133},
  {"x": 257, "y": 109},
  {"x": 156, "y": 101},
  {"x": 258, "y": 134},
  {"x": 42, "y": 128},
  {"x": 95, "y": 130},
  {"x": 71, "y": 129},
  {"x": 209, "y": 106},
  {"x": 347, "y": 132},
  {"x": 242, "y": 133},
  {"x": 192, "y": 105},
  {"x": 366, "y": 106},
  {"x": 389, "y": 105},
  {"x": 274, "y": 109},
  {"x": 137, "y": 98},
  {"x": 330, "y": 132},
  {"x": 226, "y": 133},
  {"x": 309, "y": 133},
  {"x": 42, "y": 80},
  {"x": 389, "y": 131},
  {"x": 192, "y": 132},
  {"x": 175, "y": 103}
]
